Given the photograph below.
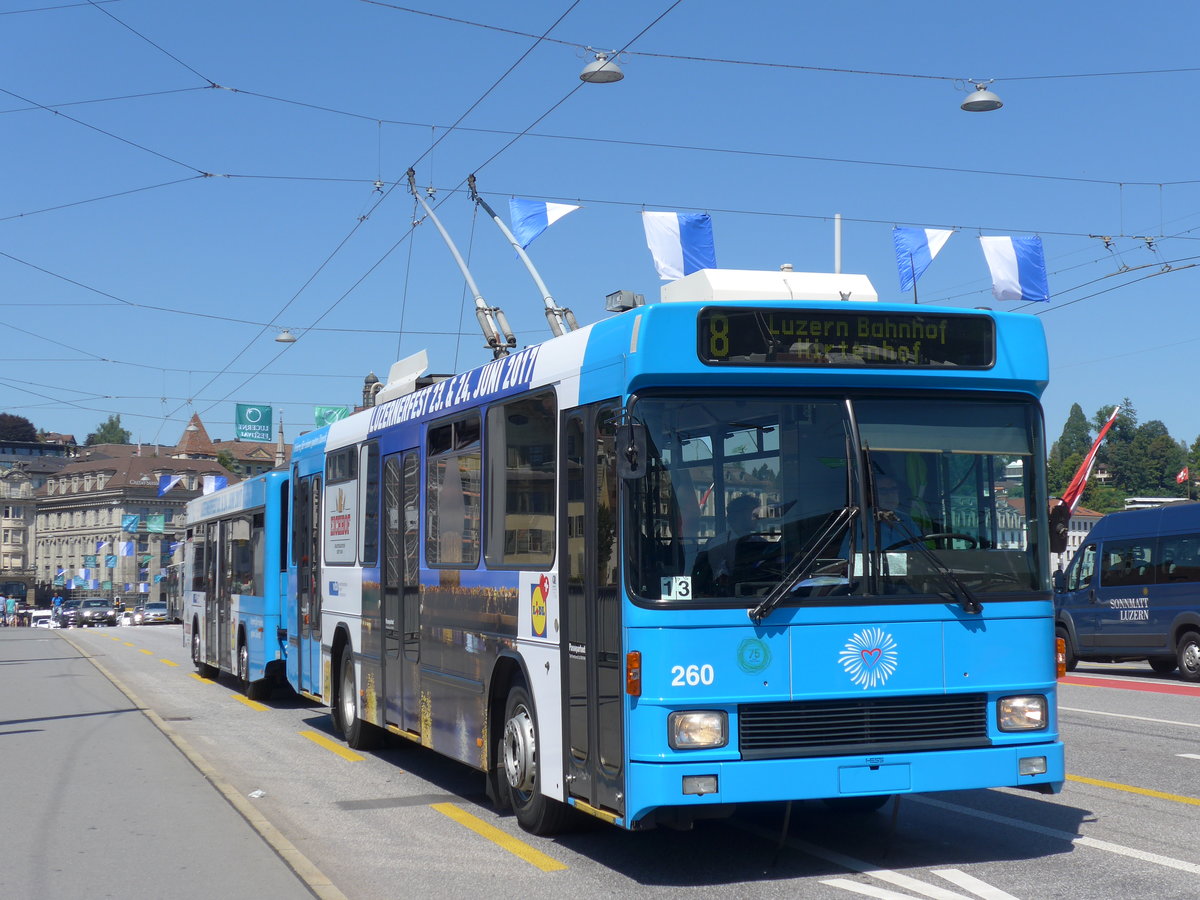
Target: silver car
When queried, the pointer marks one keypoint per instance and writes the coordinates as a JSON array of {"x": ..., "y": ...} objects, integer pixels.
[{"x": 154, "y": 613}]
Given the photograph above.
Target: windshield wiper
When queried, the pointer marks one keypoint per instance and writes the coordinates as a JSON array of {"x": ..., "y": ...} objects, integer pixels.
[
  {"x": 958, "y": 590},
  {"x": 836, "y": 523}
]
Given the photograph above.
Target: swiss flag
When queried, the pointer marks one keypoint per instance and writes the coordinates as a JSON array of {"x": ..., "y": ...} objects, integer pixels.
[{"x": 1182, "y": 476}]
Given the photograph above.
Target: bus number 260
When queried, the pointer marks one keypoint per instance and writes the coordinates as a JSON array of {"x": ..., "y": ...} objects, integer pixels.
[{"x": 691, "y": 675}]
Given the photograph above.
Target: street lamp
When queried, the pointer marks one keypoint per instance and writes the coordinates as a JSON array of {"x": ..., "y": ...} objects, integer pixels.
[{"x": 981, "y": 99}]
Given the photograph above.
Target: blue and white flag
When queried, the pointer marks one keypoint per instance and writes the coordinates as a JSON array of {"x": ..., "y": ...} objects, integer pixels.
[
  {"x": 1018, "y": 267},
  {"x": 531, "y": 217},
  {"x": 915, "y": 250},
  {"x": 166, "y": 482},
  {"x": 681, "y": 243},
  {"x": 215, "y": 483},
  {"x": 125, "y": 548}
]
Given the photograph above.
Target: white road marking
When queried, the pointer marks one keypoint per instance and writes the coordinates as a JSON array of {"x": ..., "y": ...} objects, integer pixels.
[
  {"x": 867, "y": 890},
  {"x": 1118, "y": 849},
  {"x": 973, "y": 884},
  {"x": 896, "y": 879},
  {"x": 1096, "y": 712},
  {"x": 1188, "y": 755}
]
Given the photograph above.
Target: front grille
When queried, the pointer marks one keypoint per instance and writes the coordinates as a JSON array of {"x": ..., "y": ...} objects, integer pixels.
[{"x": 854, "y": 726}]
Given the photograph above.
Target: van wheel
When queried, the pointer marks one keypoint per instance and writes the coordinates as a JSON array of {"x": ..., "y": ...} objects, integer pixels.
[
  {"x": 1189, "y": 656},
  {"x": 1071, "y": 659},
  {"x": 1163, "y": 665},
  {"x": 520, "y": 779}
]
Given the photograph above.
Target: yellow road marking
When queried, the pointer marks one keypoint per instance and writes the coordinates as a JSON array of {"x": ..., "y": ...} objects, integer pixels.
[
  {"x": 168, "y": 662},
  {"x": 1146, "y": 792},
  {"x": 198, "y": 678},
  {"x": 129, "y": 644},
  {"x": 253, "y": 704},
  {"x": 147, "y": 652},
  {"x": 516, "y": 847},
  {"x": 332, "y": 746}
]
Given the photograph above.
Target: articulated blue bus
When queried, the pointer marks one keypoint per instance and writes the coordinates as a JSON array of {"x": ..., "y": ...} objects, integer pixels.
[
  {"x": 234, "y": 576},
  {"x": 726, "y": 548}
]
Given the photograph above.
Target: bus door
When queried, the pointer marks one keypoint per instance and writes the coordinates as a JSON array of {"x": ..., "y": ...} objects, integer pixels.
[
  {"x": 221, "y": 588},
  {"x": 401, "y": 595},
  {"x": 212, "y": 602},
  {"x": 588, "y": 564},
  {"x": 307, "y": 543}
]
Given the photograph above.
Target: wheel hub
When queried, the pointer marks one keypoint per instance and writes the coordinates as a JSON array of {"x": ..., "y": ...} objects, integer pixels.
[{"x": 519, "y": 751}]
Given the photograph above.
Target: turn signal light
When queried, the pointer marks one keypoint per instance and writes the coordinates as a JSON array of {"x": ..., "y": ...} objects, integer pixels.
[
  {"x": 1060, "y": 656},
  {"x": 633, "y": 673}
]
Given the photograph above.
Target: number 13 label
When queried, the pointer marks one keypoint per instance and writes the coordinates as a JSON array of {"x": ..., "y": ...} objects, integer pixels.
[{"x": 677, "y": 587}]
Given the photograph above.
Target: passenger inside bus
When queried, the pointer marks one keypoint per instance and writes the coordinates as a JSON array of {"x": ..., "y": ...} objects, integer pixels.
[{"x": 734, "y": 554}]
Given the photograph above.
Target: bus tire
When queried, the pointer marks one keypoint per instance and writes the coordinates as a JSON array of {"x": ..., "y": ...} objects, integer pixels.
[
  {"x": 520, "y": 779},
  {"x": 254, "y": 690},
  {"x": 1069, "y": 657},
  {"x": 203, "y": 669},
  {"x": 1189, "y": 656},
  {"x": 359, "y": 735}
]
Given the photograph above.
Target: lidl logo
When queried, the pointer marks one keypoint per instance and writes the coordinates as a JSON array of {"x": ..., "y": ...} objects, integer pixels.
[{"x": 538, "y": 603}]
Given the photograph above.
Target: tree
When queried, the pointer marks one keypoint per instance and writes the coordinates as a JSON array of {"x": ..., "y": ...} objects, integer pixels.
[
  {"x": 1076, "y": 436},
  {"x": 227, "y": 461},
  {"x": 109, "y": 432},
  {"x": 16, "y": 428}
]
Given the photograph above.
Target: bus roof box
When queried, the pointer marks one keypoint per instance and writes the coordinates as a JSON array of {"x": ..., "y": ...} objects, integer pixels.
[{"x": 721, "y": 285}]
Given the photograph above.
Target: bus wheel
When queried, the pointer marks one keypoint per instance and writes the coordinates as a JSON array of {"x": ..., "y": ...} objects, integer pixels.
[
  {"x": 359, "y": 735},
  {"x": 254, "y": 690},
  {"x": 520, "y": 780},
  {"x": 1163, "y": 665},
  {"x": 1071, "y": 659},
  {"x": 203, "y": 669},
  {"x": 1189, "y": 656}
]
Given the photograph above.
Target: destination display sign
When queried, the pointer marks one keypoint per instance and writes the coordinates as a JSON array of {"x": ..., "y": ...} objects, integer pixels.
[{"x": 874, "y": 339}]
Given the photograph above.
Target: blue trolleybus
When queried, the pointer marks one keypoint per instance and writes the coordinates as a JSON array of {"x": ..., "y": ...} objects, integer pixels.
[
  {"x": 729, "y": 547},
  {"x": 234, "y": 575}
]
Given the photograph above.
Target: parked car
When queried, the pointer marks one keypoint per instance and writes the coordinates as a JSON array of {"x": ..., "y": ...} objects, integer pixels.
[
  {"x": 64, "y": 616},
  {"x": 154, "y": 614},
  {"x": 96, "y": 611}
]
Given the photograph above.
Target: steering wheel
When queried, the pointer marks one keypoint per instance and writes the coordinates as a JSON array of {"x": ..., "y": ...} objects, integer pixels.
[{"x": 946, "y": 536}]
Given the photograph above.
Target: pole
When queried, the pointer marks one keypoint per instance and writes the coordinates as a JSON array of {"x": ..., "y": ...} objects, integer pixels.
[{"x": 913, "y": 268}]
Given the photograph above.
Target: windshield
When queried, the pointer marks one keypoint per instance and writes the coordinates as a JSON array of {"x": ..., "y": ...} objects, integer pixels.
[
  {"x": 841, "y": 497},
  {"x": 94, "y": 604}
]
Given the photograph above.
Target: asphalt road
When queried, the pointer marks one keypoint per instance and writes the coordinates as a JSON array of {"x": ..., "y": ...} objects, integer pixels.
[
  {"x": 95, "y": 801},
  {"x": 404, "y": 820}
]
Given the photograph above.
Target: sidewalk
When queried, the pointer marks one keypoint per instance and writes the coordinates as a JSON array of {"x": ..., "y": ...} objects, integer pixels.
[{"x": 96, "y": 801}]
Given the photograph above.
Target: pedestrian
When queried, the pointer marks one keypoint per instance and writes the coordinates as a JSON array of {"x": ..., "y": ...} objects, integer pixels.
[
  {"x": 12, "y": 611},
  {"x": 3, "y": 610}
]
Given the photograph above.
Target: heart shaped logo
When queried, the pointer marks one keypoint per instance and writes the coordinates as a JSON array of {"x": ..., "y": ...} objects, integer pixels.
[{"x": 870, "y": 657}]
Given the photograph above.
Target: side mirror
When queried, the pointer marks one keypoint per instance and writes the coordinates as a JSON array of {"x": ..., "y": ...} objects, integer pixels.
[
  {"x": 1060, "y": 581},
  {"x": 631, "y": 451},
  {"x": 1060, "y": 518}
]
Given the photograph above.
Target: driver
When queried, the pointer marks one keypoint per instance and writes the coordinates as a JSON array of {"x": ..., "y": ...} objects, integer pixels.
[{"x": 893, "y": 533}]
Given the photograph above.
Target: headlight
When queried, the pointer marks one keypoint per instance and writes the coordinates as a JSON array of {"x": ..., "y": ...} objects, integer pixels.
[
  {"x": 696, "y": 730},
  {"x": 1021, "y": 713}
]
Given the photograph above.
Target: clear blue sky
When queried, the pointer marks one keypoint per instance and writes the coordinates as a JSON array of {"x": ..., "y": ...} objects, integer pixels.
[{"x": 130, "y": 182}]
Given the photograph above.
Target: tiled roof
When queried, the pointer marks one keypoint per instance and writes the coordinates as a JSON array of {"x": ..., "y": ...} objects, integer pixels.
[
  {"x": 194, "y": 441},
  {"x": 138, "y": 472}
]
